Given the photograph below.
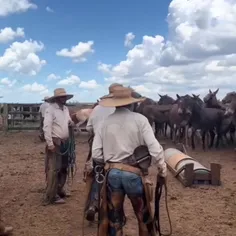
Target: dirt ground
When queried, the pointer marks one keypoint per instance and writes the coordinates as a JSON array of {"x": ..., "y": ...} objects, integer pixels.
[{"x": 203, "y": 210}]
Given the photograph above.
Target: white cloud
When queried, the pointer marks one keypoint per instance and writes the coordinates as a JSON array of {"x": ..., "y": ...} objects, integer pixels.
[
  {"x": 129, "y": 37},
  {"x": 21, "y": 57},
  {"x": 91, "y": 84},
  {"x": 199, "y": 51},
  {"x": 70, "y": 80},
  {"x": 8, "y": 34},
  {"x": 35, "y": 88},
  {"x": 53, "y": 77},
  {"x": 7, "y": 82},
  {"x": 77, "y": 53},
  {"x": 49, "y": 9},
  {"x": 9, "y": 7}
]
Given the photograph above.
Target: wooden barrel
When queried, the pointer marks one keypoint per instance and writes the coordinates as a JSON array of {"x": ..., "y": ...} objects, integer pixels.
[{"x": 177, "y": 160}]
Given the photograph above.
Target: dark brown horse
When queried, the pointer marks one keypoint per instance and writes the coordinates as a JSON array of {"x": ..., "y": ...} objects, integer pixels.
[
  {"x": 227, "y": 126},
  {"x": 205, "y": 119},
  {"x": 179, "y": 117}
]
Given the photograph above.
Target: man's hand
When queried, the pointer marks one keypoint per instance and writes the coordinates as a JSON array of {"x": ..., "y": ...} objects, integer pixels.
[
  {"x": 51, "y": 148},
  {"x": 162, "y": 172},
  {"x": 71, "y": 123}
]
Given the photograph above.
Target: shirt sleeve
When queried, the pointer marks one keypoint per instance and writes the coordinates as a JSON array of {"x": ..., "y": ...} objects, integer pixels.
[
  {"x": 97, "y": 148},
  {"x": 47, "y": 126},
  {"x": 89, "y": 126},
  {"x": 154, "y": 147}
]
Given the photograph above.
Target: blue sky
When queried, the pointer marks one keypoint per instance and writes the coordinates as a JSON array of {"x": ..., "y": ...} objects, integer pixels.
[{"x": 151, "y": 65}]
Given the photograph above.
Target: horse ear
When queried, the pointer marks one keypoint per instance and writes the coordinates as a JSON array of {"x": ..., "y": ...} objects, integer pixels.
[
  {"x": 210, "y": 91},
  {"x": 177, "y": 95},
  {"x": 193, "y": 95},
  {"x": 198, "y": 95},
  {"x": 216, "y": 91},
  {"x": 160, "y": 95}
]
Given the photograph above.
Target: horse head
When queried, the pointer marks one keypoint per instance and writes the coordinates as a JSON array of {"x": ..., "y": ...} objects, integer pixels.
[
  {"x": 210, "y": 99},
  {"x": 165, "y": 100},
  {"x": 230, "y": 108},
  {"x": 197, "y": 99},
  {"x": 229, "y": 97},
  {"x": 185, "y": 105}
]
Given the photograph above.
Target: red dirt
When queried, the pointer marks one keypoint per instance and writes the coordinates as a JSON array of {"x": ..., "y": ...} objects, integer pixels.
[{"x": 203, "y": 211}]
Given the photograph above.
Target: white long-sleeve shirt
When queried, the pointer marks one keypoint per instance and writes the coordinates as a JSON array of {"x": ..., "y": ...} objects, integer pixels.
[
  {"x": 56, "y": 122},
  {"x": 43, "y": 107},
  {"x": 121, "y": 133},
  {"x": 97, "y": 117}
]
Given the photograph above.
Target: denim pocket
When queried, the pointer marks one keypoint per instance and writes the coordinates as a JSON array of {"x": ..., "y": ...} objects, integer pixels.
[
  {"x": 132, "y": 184},
  {"x": 114, "y": 179}
]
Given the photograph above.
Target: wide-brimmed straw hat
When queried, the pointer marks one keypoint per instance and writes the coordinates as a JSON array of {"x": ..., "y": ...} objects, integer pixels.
[
  {"x": 60, "y": 92},
  {"x": 110, "y": 89},
  {"x": 121, "y": 96},
  {"x": 45, "y": 98}
]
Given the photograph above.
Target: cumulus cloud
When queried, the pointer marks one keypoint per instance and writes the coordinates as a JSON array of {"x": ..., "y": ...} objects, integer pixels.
[
  {"x": 35, "y": 88},
  {"x": 77, "y": 53},
  {"x": 9, "y": 7},
  {"x": 91, "y": 84},
  {"x": 21, "y": 57},
  {"x": 49, "y": 9},
  {"x": 8, "y": 34},
  {"x": 53, "y": 77},
  {"x": 129, "y": 37},
  {"x": 70, "y": 80},
  {"x": 7, "y": 82},
  {"x": 199, "y": 51}
]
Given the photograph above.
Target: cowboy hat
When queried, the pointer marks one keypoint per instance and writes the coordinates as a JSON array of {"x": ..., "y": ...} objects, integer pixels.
[
  {"x": 45, "y": 98},
  {"x": 60, "y": 92},
  {"x": 111, "y": 88},
  {"x": 121, "y": 96}
]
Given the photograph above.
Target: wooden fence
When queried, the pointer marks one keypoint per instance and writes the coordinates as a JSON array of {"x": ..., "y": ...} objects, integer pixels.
[{"x": 15, "y": 116}]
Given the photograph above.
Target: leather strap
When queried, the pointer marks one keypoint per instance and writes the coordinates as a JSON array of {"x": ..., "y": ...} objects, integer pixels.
[{"x": 121, "y": 166}]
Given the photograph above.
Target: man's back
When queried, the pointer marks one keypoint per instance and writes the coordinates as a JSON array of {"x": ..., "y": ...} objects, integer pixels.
[
  {"x": 43, "y": 108},
  {"x": 122, "y": 132},
  {"x": 98, "y": 116}
]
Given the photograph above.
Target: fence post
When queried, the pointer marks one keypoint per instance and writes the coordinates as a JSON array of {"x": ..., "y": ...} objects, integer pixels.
[{"x": 5, "y": 117}]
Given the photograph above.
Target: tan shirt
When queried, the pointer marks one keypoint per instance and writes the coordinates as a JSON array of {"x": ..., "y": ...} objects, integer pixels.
[
  {"x": 43, "y": 108},
  {"x": 97, "y": 117},
  {"x": 121, "y": 133},
  {"x": 56, "y": 122}
]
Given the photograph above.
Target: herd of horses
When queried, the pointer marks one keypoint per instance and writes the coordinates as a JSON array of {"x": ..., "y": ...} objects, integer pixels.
[{"x": 209, "y": 117}]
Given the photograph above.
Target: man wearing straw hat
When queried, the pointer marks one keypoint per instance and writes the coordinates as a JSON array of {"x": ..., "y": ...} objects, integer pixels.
[
  {"x": 114, "y": 146},
  {"x": 42, "y": 110},
  {"x": 96, "y": 119},
  {"x": 56, "y": 132}
]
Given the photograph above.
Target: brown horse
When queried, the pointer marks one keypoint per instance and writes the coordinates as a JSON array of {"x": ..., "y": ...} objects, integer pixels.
[
  {"x": 205, "y": 119},
  {"x": 179, "y": 117},
  {"x": 227, "y": 126}
]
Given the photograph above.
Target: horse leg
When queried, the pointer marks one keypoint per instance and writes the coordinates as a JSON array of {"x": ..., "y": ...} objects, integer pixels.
[
  {"x": 212, "y": 135},
  {"x": 192, "y": 138},
  {"x": 203, "y": 140},
  {"x": 232, "y": 133}
]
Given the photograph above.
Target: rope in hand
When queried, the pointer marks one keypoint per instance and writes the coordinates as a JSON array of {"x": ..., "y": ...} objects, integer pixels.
[
  {"x": 70, "y": 151},
  {"x": 158, "y": 192}
]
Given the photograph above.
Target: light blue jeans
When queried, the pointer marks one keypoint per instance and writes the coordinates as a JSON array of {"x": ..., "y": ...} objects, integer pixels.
[{"x": 125, "y": 182}]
